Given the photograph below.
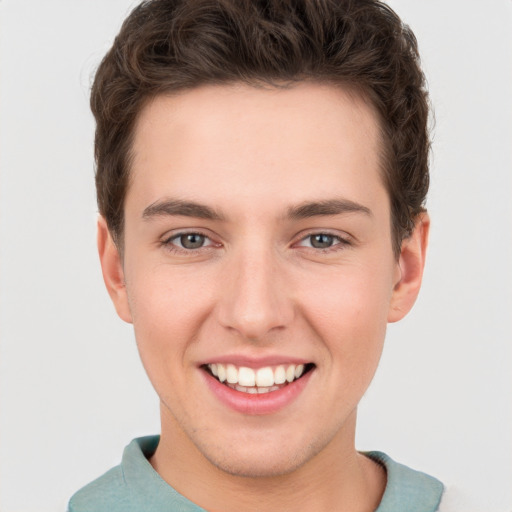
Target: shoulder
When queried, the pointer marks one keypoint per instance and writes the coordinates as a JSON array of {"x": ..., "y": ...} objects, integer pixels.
[
  {"x": 122, "y": 488},
  {"x": 407, "y": 489},
  {"x": 108, "y": 493},
  {"x": 133, "y": 486},
  {"x": 414, "y": 491}
]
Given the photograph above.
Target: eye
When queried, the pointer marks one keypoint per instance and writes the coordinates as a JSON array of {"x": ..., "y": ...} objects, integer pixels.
[
  {"x": 189, "y": 241},
  {"x": 322, "y": 241}
]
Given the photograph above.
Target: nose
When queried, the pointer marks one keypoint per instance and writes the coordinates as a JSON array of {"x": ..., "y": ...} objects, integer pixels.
[{"x": 255, "y": 299}]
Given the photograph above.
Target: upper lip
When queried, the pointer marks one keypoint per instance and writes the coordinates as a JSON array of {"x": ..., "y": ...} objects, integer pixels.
[{"x": 255, "y": 362}]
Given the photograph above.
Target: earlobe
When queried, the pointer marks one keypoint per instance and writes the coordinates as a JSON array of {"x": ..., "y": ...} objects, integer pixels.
[
  {"x": 112, "y": 269},
  {"x": 411, "y": 264}
]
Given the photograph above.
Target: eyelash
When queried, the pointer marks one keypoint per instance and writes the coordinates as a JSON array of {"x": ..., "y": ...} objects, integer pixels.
[
  {"x": 339, "y": 242},
  {"x": 170, "y": 245}
]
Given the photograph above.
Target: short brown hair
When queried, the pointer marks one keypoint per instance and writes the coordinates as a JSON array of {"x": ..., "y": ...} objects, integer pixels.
[{"x": 165, "y": 46}]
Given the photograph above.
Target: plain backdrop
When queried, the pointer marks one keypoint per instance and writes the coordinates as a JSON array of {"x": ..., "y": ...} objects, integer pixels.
[{"x": 72, "y": 390}]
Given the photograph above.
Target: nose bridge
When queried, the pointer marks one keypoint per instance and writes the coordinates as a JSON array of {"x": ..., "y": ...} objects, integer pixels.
[{"x": 255, "y": 300}]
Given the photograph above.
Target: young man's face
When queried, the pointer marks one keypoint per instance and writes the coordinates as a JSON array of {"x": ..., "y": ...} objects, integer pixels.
[{"x": 257, "y": 235}]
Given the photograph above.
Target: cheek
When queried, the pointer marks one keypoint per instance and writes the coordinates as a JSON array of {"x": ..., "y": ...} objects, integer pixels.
[
  {"x": 349, "y": 312},
  {"x": 349, "y": 296},
  {"x": 167, "y": 310}
]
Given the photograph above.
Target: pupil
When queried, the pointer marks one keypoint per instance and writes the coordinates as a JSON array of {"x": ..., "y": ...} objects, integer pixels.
[
  {"x": 322, "y": 241},
  {"x": 192, "y": 241}
]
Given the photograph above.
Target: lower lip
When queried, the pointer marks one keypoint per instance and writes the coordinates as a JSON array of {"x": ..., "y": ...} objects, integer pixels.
[{"x": 257, "y": 404}]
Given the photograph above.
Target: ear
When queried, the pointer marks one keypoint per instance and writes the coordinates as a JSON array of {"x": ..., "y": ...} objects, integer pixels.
[
  {"x": 112, "y": 269},
  {"x": 411, "y": 264}
]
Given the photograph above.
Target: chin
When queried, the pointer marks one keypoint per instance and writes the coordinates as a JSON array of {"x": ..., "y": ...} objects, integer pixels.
[
  {"x": 270, "y": 462},
  {"x": 257, "y": 468}
]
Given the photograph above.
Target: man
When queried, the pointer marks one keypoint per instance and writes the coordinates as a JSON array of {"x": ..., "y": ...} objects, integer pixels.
[{"x": 262, "y": 169}]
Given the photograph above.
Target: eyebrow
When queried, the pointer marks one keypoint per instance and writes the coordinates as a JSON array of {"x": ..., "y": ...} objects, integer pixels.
[
  {"x": 327, "y": 207},
  {"x": 178, "y": 207},
  {"x": 182, "y": 208}
]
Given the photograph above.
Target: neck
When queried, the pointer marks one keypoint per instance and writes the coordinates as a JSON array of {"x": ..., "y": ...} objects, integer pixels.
[{"x": 337, "y": 478}]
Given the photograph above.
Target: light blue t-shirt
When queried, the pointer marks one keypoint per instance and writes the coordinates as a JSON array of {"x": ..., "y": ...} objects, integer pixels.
[{"x": 134, "y": 486}]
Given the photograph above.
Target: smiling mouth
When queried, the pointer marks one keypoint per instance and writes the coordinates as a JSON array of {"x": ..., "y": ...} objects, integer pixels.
[{"x": 257, "y": 381}]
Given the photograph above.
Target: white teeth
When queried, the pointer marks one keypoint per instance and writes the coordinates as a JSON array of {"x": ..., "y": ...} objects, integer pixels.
[
  {"x": 262, "y": 380},
  {"x": 280, "y": 375},
  {"x": 231, "y": 374},
  {"x": 265, "y": 377},
  {"x": 246, "y": 377},
  {"x": 221, "y": 372}
]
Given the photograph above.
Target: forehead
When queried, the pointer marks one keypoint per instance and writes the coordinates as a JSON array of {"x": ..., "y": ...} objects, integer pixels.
[{"x": 250, "y": 143}]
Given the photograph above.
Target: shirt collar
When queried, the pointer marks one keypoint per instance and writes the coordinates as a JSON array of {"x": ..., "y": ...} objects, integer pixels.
[{"x": 406, "y": 489}]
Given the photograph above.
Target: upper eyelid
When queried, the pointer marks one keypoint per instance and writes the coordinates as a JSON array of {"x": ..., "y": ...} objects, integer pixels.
[
  {"x": 168, "y": 241},
  {"x": 179, "y": 235},
  {"x": 339, "y": 240},
  {"x": 344, "y": 237},
  {"x": 168, "y": 236}
]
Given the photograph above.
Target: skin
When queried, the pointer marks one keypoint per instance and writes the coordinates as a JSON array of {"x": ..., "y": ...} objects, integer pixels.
[{"x": 258, "y": 287}]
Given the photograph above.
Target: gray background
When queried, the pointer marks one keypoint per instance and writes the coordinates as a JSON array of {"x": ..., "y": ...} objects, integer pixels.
[{"x": 72, "y": 391}]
